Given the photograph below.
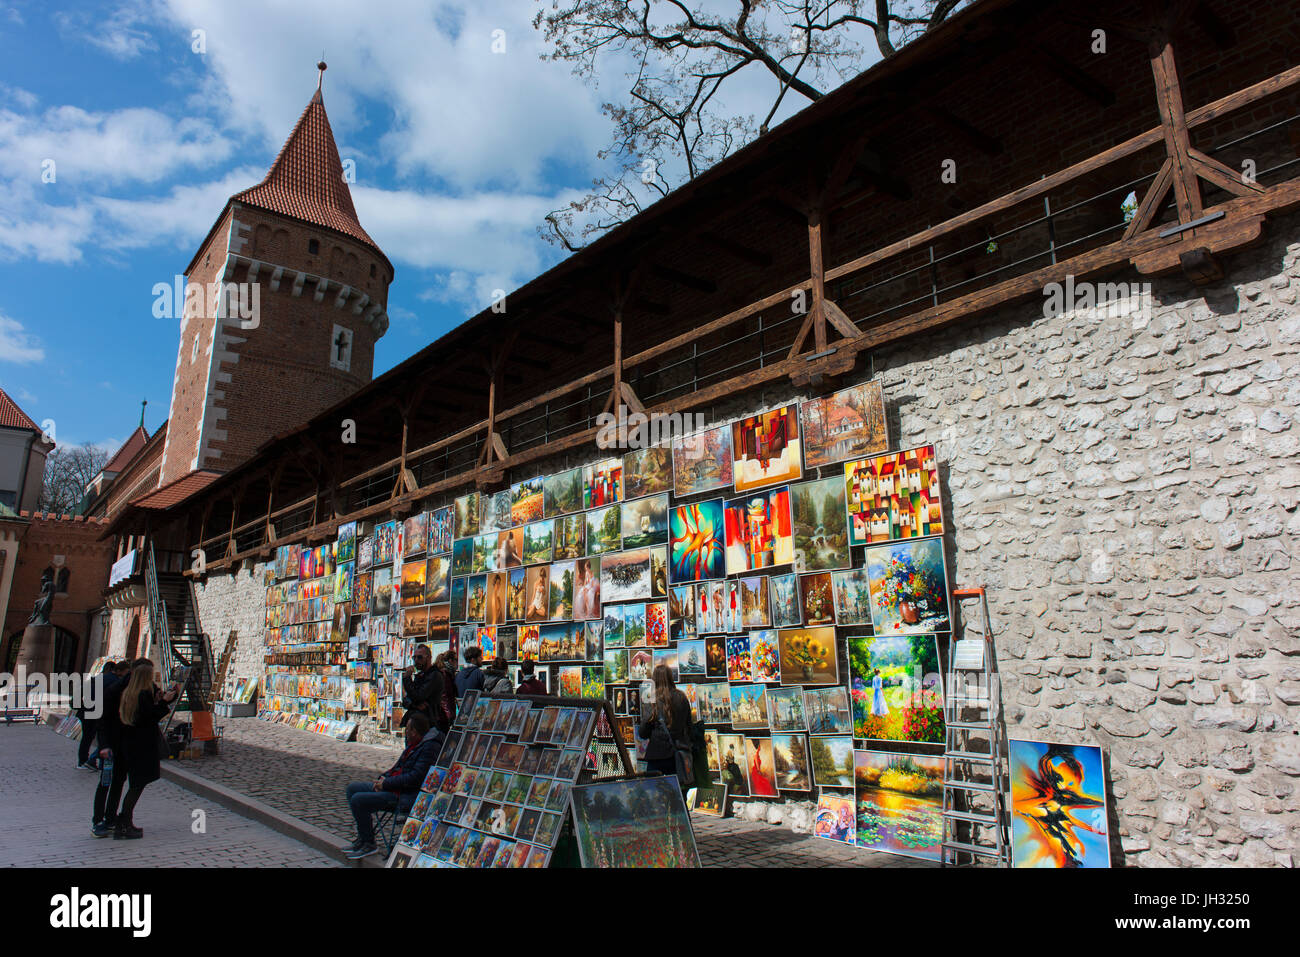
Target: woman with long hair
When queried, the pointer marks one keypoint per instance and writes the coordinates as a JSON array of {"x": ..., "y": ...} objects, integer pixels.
[
  {"x": 668, "y": 727},
  {"x": 141, "y": 708}
]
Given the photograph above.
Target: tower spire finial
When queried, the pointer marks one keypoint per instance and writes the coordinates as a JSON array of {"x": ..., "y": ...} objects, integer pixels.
[
  {"x": 143, "y": 403},
  {"x": 320, "y": 77}
]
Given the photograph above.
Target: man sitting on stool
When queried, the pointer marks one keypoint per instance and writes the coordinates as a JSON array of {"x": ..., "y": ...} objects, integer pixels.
[{"x": 396, "y": 788}]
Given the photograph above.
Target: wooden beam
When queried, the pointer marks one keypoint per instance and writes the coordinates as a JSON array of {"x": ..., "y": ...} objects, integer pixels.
[{"x": 1169, "y": 100}]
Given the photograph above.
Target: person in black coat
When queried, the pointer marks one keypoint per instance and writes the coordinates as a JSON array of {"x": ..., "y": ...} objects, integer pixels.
[
  {"x": 422, "y": 690},
  {"x": 668, "y": 726},
  {"x": 141, "y": 708},
  {"x": 112, "y": 776}
]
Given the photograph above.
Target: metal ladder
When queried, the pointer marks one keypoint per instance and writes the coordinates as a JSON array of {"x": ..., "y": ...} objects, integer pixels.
[{"x": 974, "y": 776}]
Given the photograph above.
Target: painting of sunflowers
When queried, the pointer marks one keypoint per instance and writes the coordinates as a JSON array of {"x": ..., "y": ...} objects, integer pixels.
[{"x": 808, "y": 656}]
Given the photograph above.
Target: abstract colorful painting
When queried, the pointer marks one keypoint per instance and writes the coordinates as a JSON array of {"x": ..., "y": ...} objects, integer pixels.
[
  {"x": 739, "y": 665},
  {"x": 702, "y": 462},
  {"x": 604, "y": 530},
  {"x": 697, "y": 542},
  {"x": 442, "y": 523},
  {"x": 562, "y": 493},
  {"x": 832, "y": 761},
  {"x": 645, "y": 521},
  {"x": 602, "y": 483},
  {"x": 783, "y": 592},
  {"x": 526, "y": 501},
  {"x": 893, "y": 496},
  {"x": 848, "y": 424},
  {"x": 758, "y": 533},
  {"x": 638, "y": 823},
  {"x": 748, "y": 706},
  {"x": 625, "y": 576},
  {"x": 896, "y": 688},
  {"x": 820, "y": 525},
  {"x": 826, "y": 710},
  {"x": 808, "y": 656},
  {"x": 909, "y": 587},
  {"x": 648, "y": 471},
  {"x": 833, "y": 818},
  {"x": 817, "y": 598},
  {"x": 1058, "y": 805},
  {"x": 765, "y": 449},
  {"x": 790, "y": 762},
  {"x": 759, "y": 759},
  {"x": 899, "y": 803}
]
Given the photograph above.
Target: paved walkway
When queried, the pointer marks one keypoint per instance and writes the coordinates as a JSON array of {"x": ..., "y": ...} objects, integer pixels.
[
  {"x": 45, "y": 807},
  {"x": 303, "y": 774}
]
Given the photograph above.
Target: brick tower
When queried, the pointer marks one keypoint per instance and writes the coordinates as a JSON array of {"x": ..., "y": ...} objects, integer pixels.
[{"x": 321, "y": 284}]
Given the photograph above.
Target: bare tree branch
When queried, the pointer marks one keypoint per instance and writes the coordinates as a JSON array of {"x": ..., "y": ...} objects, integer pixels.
[
  {"x": 673, "y": 121},
  {"x": 68, "y": 470}
]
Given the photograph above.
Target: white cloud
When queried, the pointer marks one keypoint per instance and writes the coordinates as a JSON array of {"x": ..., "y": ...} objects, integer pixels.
[
  {"x": 16, "y": 344},
  {"x": 121, "y": 34}
]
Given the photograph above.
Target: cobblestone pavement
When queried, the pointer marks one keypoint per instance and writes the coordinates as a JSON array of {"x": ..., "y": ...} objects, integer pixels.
[
  {"x": 304, "y": 774},
  {"x": 45, "y": 806}
]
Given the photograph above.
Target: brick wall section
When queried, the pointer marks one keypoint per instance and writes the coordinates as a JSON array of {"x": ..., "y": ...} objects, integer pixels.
[{"x": 269, "y": 379}]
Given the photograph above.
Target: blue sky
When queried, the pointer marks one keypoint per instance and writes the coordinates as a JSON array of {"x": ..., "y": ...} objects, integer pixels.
[{"x": 459, "y": 153}]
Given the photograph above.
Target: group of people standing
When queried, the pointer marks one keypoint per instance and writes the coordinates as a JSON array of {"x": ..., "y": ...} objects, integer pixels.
[{"x": 127, "y": 744}]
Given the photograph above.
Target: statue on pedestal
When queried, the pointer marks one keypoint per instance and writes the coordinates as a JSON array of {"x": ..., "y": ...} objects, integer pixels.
[{"x": 44, "y": 602}]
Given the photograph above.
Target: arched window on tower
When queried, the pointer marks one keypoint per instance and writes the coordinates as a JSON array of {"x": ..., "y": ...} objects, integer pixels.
[{"x": 61, "y": 581}]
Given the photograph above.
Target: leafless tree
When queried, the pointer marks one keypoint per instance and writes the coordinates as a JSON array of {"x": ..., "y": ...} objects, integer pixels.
[
  {"x": 68, "y": 470},
  {"x": 683, "y": 53}
]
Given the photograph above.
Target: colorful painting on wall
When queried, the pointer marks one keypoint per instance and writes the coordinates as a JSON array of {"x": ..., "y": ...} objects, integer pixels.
[
  {"x": 832, "y": 761},
  {"x": 748, "y": 706},
  {"x": 561, "y": 594},
  {"x": 347, "y": 543},
  {"x": 758, "y": 534},
  {"x": 690, "y": 658},
  {"x": 909, "y": 587},
  {"x": 827, "y": 710},
  {"x": 586, "y": 589},
  {"x": 852, "y": 593},
  {"x": 833, "y": 818},
  {"x": 656, "y": 624},
  {"x": 1058, "y": 805},
  {"x": 696, "y": 538},
  {"x": 385, "y": 544},
  {"x": 731, "y": 757},
  {"x": 790, "y": 762},
  {"x": 537, "y": 586},
  {"x": 783, "y": 592},
  {"x": 415, "y": 535},
  {"x": 846, "y": 425},
  {"x": 808, "y": 656},
  {"x": 681, "y": 611},
  {"x": 538, "y": 538},
  {"x": 441, "y": 529},
  {"x": 526, "y": 501},
  {"x": 562, "y": 493},
  {"x": 602, "y": 483},
  {"x": 462, "y": 556},
  {"x": 625, "y": 576},
  {"x": 899, "y": 803},
  {"x": 893, "y": 496},
  {"x": 468, "y": 515},
  {"x": 604, "y": 530},
  {"x": 765, "y": 656},
  {"x": 765, "y": 449},
  {"x": 570, "y": 537},
  {"x": 713, "y": 703},
  {"x": 648, "y": 471},
  {"x": 759, "y": 759},
  {"x": 739, "y": 665},
  {"x": 494, "y": 513},
  {"x": 711, "y": 800},
  {"x": 820, "y": 525},
  {"x": 715, "y": 656},
  {"x": 571, "y": 681},
  {"x": 412, "y": 587},
  {"x": 498, "y": 587},
  {"x": 897, "y": 694},
  {"x": 718, "y": 606},
  {"x": 437, "y": 579},
  {"x": 645, "y": 521},
  {"x": 640, "y": 823},
  {"x": 785, "y": 709},
  {"x": 754, "y": 608},
  {"x": 817, "y": 598},
  {"x": 702, "y": 462}
]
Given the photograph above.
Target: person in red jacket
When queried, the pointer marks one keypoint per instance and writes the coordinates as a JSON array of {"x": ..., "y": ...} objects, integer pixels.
[{"x": 530, "y": 684}]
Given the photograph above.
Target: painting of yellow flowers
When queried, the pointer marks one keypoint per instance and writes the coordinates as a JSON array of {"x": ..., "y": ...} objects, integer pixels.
[{"x": 808, "y": 656}]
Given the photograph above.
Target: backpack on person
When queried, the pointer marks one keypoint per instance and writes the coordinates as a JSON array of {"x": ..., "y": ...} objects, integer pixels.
[{"x": 497, "y": 683}]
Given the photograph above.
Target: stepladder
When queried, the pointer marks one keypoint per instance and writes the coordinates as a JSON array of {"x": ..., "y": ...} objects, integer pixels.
[{"x": 975, "y": 822}]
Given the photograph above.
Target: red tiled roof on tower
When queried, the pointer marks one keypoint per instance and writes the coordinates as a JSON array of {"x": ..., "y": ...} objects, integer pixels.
[
  {"x": 306, "y": 179},
  {"x": 12, "y": 417}
]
